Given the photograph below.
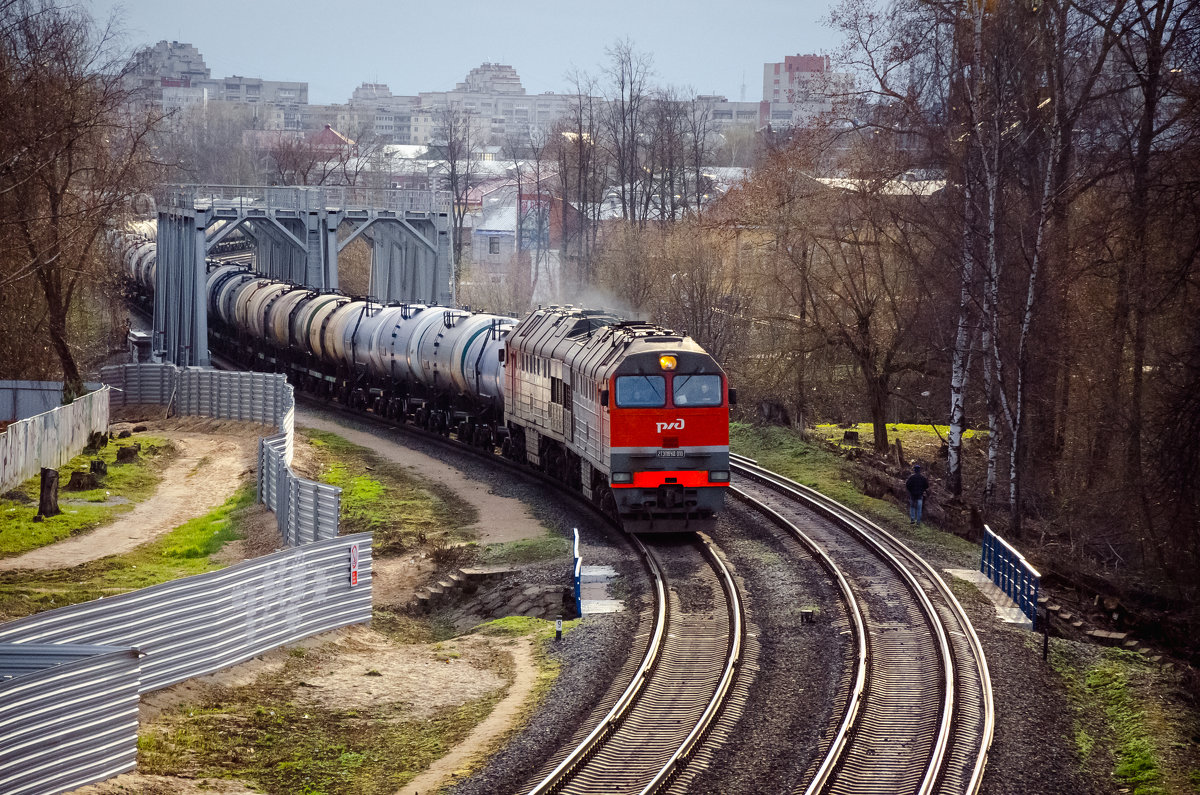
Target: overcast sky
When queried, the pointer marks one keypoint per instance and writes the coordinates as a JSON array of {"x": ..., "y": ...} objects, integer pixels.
[{"x": 413, "y": 47}]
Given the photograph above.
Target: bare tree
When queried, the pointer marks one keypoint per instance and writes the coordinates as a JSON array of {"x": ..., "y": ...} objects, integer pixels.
[
  {"x": 866, "y": 294},
  {"x": 71, "y": 157},
  {"x": 624, "y": 127},
  {"x": 574, "y": 144},
  {"x": 206, "y": 145},
  {"x": 457, "y": 141}
]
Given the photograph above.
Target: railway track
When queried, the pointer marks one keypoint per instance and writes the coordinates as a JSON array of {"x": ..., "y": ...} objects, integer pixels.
[
  {"x": 918, "y": 716},
  {"x": 683, "y": 681}
]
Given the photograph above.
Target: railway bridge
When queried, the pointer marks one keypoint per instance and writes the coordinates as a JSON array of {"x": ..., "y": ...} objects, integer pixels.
[{"x": 297, "y": 233}]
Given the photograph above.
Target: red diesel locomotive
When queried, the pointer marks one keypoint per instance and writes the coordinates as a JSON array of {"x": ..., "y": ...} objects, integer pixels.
[{"x": 633, "y": 415}]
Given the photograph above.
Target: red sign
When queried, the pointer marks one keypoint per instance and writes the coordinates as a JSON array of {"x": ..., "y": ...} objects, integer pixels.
[{"x": 353, "y": 565}]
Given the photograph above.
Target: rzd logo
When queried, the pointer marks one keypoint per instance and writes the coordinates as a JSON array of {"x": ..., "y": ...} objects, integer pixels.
[{"x": 677, "y": 425}]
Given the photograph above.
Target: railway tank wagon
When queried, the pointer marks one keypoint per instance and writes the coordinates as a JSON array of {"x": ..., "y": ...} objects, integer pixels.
[{"x": 631, "y": 414}]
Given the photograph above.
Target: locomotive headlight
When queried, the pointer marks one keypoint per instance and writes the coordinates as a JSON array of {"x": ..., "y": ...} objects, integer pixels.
[
  {"x": 718, "y": 476},
  {"x": 666, "y": 362},
  {"x": 622, "y": 477}
]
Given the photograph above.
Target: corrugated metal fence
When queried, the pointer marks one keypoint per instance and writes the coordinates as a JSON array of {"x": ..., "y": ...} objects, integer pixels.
[
  {"x": 70, "y": 678},
  {"x": 74, "y": 721},
  {"x": 50, "y": 439},
  {"x": 305, "y": 510}
]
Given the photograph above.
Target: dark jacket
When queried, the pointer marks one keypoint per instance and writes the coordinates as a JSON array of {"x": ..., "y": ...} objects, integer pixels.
[{"x": 917, "y": 485}]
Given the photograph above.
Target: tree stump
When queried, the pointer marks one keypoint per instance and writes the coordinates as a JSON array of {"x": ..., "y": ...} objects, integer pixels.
[
  {"x": 48, "y": 500},
  {"x": 128, "y": 454},
  {"x": 82, "y": 481},
  {"x": 96, "y": 442},
  {"x": 850, "y": 436},
  {"x": 125, "y": 434},
  {"x": 98, "y": 467}
]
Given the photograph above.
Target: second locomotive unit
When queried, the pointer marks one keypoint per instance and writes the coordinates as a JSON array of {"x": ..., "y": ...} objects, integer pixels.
[{"x": 631, "y": 415}]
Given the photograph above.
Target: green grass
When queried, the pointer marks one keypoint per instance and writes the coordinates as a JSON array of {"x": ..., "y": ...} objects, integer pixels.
[
  {"x": 134, "y": 482},
  {"x": 271, "y": 736},
  {"x": 525, "y": 550},
  {"x": 548, "y": 665},
  {"x": 402, "y": 510},
  {"x": 1109, "y": 685},
  {"x": 1117, "y": 723},
  {"x": 907, "y": 433},
  {"x": 268, "y": 740},
  {"x": 783, "y": 450},
  {"x": 183, "y": 552}
]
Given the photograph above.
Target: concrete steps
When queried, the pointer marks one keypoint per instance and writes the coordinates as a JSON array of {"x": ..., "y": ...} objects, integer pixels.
[{"x": 453, "y": 586}]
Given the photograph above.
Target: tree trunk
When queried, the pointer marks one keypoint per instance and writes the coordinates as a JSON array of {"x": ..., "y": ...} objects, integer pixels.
[
  {"x": 48, "y": 499},
  {"x": 879, "y": 397},
  {"x": 960, "y": 368}
]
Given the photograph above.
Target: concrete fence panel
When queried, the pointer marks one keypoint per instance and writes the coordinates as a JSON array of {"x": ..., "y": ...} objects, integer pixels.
[{"x": 52, "y": 438}]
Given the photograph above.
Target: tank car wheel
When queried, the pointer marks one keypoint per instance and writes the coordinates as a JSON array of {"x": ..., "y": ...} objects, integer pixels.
[{"x": 506, "y": 448}]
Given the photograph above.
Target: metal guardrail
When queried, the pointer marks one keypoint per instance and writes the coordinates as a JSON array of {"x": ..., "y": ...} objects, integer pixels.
[
  {"x": 301, "y": 198},
  {"x": 52, "y": 438},
  {"x": 76, "y": 723},
  {"x": 1007, "y": 567}
]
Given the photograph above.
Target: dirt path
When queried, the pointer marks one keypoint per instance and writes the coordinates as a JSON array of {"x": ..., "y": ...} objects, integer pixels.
[
  {"x": 500, "y": 518},
  {"x": 484, "y": 736},
  {"x": 206, "y": 472}
]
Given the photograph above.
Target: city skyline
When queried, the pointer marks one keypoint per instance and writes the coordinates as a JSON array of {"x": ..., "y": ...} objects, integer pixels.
[{"x": 268, "y": 40}]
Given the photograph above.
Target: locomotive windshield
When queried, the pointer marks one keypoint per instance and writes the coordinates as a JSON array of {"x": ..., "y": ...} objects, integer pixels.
[
  {"x": 697, "y": 390},
  {"x": 641, "y": 391}
]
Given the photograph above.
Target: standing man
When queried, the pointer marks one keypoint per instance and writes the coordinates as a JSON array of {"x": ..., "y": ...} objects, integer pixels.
[{"x": 916, "y": 485}]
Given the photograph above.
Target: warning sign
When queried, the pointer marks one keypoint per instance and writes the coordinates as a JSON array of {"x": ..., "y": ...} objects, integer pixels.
[{"x": 353, "y": 565}]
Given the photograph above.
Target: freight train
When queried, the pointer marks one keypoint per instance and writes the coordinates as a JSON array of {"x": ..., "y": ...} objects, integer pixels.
[{"x": 631, "y": 415}]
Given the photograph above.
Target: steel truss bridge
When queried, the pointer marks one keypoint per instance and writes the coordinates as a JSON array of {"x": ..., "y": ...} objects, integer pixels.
[{"x": 296, "y": 233}]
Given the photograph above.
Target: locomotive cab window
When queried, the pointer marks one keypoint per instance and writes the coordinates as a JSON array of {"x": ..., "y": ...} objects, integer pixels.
[
  {"x": 641, "y": 391},
  {"x": 697, "y": 390}
]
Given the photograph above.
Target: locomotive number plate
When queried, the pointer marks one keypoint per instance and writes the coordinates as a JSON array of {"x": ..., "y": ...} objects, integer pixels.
[{"x": 671, "y": 453}]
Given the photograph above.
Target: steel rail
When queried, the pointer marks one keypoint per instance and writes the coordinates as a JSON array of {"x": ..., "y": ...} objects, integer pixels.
[
  {"x": 858, "y": 624},
  {"x": 871, "y": 534},
  {"x": 631, "y": 699},
  {"x": 705, "y": 722},
  {"x": 615, "y": 715}
]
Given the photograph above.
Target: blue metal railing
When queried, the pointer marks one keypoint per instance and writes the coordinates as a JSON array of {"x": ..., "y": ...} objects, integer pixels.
[{"x": 1007, "y": 567}]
